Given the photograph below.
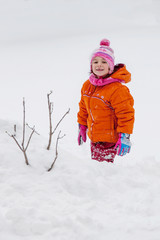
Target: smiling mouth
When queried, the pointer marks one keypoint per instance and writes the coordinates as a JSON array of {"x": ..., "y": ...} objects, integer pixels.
[{"x": 99, "y": 70}]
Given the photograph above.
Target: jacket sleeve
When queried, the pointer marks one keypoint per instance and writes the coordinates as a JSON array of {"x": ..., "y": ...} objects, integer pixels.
[
  {"x": 82, "y": 114},
  {"x": 122, "y": 102}
]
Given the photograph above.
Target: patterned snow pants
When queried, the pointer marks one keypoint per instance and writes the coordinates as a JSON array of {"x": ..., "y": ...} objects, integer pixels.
[{"x": 103, "y": 151}]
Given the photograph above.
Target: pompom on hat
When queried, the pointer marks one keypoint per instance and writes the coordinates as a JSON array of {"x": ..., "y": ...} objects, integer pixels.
[{"x": 105, "y": 52}]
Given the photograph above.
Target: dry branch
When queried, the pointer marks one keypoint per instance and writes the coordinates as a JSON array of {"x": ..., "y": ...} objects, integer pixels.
[
  {"x": 56, "y": 152},
  {"x": 21, "y": 146},
  {"x": 24, "y": 113},
  {"x": 15, "y": 130},
  {"x": 50, "y": 108},
  {"x": 60, "y": 121}
]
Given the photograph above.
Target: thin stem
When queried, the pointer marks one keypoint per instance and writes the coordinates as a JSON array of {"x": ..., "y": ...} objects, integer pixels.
[
  {"x": 60, "y": 121},
  {"x": 17, "y": 142},
  {"x": 29, "y": 140},
  {"x": 25, "y": 156},
  {"x": 23, "y": 122},
  {"x": 50, "y": 108},
  {"x": 56, "y": 156}
]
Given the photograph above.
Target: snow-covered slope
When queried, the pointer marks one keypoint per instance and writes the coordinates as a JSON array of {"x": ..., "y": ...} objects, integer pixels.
[
  {"x": 79, "y": 198},
  {"x": 46, "y": 45}
]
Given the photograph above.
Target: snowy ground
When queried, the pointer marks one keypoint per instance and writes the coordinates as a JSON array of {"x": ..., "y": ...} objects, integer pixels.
[{"x": 81, "y": 199}]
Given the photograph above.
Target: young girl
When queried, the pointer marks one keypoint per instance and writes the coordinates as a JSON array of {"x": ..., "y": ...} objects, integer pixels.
[{"x": 106, "y": 107}]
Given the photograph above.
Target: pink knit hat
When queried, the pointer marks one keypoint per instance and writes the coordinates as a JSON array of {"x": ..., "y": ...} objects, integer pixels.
[{"x": 105, "y": 52}]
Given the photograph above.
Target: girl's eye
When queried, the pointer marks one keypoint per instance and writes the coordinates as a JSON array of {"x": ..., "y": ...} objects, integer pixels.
[{"x": 104, "y": 62}]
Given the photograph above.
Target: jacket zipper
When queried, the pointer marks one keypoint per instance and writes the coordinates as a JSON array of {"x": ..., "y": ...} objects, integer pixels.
[{"x": 90, "y": 109}]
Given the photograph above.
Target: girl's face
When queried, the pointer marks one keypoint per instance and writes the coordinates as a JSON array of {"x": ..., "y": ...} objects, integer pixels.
[{"x": 100, "y": 66}]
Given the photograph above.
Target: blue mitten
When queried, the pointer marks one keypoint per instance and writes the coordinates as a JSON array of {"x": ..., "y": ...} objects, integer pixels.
[{"x": 123, "y": 144}]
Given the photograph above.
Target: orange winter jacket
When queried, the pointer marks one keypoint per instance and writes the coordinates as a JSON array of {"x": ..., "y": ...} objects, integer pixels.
[{"x": 107, "y": 110}]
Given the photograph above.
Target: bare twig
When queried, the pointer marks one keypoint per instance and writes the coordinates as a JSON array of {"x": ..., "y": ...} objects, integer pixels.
[
  {"x": 22, "y": 147},
  {"x": 50, "y": 108},
  {"x": 29, "y": 140},
  {"x": 15, "y": 130},
  {"x": 32, "y": 128},
  {"x": 60, "y": 121},
  {"x": 56, "y": 155},
  {"x": 24, "y": 113},
  {"x": 15, "y": 140},
  {"x": 33, "y": 131}
]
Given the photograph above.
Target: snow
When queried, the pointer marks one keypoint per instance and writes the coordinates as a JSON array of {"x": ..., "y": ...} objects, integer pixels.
[{"x": 46, "y": 45}]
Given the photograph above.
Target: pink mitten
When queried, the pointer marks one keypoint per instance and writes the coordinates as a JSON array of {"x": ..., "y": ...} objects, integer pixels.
[{"x": 82, "y": 134}]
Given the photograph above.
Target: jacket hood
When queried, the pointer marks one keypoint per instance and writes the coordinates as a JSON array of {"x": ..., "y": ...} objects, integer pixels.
[{"x": 120, "y": 73}]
